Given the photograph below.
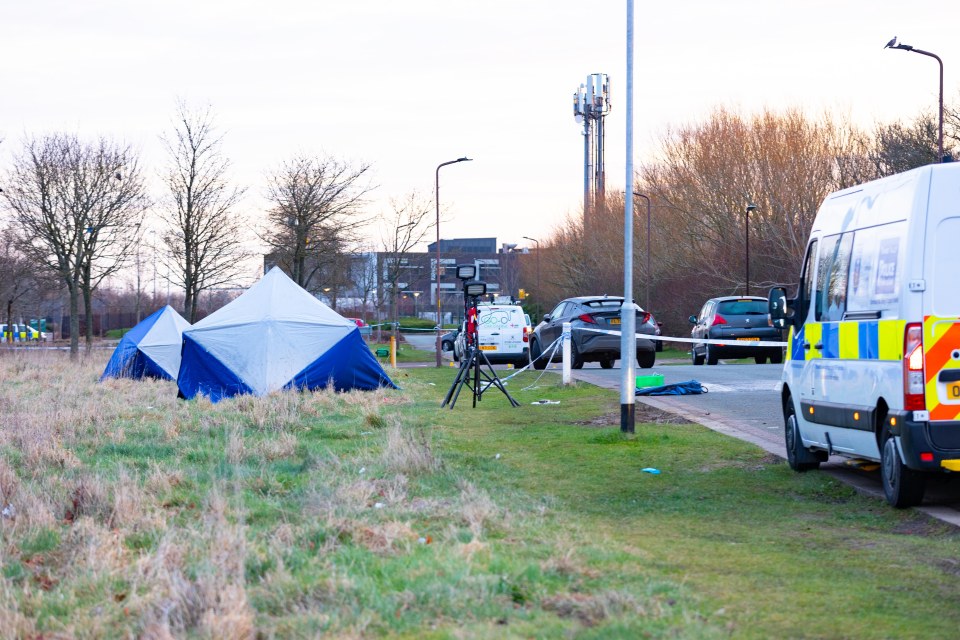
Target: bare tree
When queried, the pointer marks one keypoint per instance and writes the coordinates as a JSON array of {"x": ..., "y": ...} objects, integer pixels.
[
  {"x": 16, "y": 274},
  {"x": 405, "y": 226},
  {"x": 75, "y": 216},
  {"x": 204, "y": 236},
  {"x": 901, "y": 146},
  {"x": 317, "y": 206}
]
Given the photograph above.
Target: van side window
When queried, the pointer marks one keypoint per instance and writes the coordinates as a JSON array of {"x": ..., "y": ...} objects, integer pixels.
[
  {"x": 807, "y": 277},
  {"x": 832, "y": 275},
  {"x": 875, "y": 263}
]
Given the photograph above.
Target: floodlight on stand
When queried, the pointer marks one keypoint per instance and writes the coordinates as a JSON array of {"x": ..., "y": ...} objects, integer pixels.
[
  {"x": 475, "y": 288},
  {"x": 466, "y": 271}
]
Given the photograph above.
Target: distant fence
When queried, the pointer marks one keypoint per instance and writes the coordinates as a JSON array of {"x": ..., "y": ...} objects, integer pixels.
[{"x": 102, "y": 322}]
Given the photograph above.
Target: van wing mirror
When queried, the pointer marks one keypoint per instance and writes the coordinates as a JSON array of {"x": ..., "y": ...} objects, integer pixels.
[
  {"x": 546, "y": 317},
  {"x": 692, "y": 319},
  {"x": 777, "y": 307}
]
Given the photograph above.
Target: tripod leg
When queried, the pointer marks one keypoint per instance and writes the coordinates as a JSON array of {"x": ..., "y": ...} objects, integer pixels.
[
  {"x": 494, "y": 380},
  {"x": 454, "y": 390},
  {"x": 476, "y": 377}
]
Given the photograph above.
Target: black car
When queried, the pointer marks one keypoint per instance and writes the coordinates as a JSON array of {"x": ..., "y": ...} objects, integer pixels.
[
  {"x": 738, "y": 320},
  {"x": 447, "y": 340},
  {"x": 589, "y": 316}
]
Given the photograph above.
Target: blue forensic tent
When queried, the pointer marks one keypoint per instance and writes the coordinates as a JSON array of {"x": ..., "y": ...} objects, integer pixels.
[
  {"x": 275, "y": 336},
  {"x": 152, "y": 348}
]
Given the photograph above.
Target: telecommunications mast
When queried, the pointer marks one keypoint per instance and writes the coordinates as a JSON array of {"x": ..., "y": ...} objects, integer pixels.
[{"x": 591, "y": 102}]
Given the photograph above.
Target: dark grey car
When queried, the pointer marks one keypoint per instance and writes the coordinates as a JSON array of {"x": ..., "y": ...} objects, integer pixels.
[
  {"x": 739, "y": 320},
  {"x": 586, "y": 315}
]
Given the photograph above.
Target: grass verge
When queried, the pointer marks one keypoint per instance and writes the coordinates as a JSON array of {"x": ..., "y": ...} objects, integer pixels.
[{"x": 131, "y": 513}]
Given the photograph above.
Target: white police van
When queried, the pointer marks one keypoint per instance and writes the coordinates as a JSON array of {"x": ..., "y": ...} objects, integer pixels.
[
  {"x": 503, "y": 335},
  {"x": 873, "y": 362}
]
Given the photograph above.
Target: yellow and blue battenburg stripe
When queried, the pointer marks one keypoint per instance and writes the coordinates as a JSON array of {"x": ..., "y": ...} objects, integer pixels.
[{"x": 849, "y": 340}]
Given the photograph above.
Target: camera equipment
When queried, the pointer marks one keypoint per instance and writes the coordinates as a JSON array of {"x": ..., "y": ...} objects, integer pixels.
[{"x": 471, "y": 373}]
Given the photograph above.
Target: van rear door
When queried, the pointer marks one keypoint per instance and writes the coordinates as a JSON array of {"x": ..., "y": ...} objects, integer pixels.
[{"x": 941, "y": 295}]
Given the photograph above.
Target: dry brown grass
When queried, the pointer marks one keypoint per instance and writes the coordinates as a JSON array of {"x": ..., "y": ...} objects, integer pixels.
[{"x": 408, "y": 450}]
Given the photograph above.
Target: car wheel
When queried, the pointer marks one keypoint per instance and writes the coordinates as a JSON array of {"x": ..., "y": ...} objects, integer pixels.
[
  {"x": 760, "y": 359},
  {"x": 576, "y": 360},
  {"x": 646, "y": 359},
  {"x": 697, "y": 358},
  {"x": 606, "y": 363},
  {"x": 902, "y": 486},
  {"x": 798, "y": 457},
  {"x": 711, "y": 355},
  {"x": 777, "y": 358},
  {"x": 538, "y": 363}
]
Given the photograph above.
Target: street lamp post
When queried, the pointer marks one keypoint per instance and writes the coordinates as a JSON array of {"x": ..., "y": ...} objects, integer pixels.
[
  {"x": 746, "y": 230},
  {"x": 416, "y": 294},
  {"x": 538, "y": 273},
  {"x": 906, "y": 47},
  {"x": 437, "y": 187},
  {"x": 640, "y": 195}
]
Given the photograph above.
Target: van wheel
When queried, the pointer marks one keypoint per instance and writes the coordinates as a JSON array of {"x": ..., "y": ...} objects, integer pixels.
[
  {"x": 697, "y": 358},
  {"x": 711, "y": 355},
  {"x": 538, "y": 363},
  {"x": 777, "y": 358},
  {"x": 606, "y": 363},
  {"x": 760, "y": 359},
  {"x": 798, "y": 457},
  {"x": 902, "y": 486}
]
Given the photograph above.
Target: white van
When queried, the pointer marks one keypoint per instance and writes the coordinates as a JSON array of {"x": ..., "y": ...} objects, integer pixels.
[
  {"x": 503, "y": 333},
  {"x": 873, "y": 362}
]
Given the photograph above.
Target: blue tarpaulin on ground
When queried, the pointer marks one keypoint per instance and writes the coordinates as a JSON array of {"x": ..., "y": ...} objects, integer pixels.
[{"x": 690, "y": 387}]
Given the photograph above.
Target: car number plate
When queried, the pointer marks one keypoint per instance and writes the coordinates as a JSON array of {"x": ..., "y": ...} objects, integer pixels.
[
  {"x": 488, "y": 347},
  {"x": 749, "y": 339},
  {"x": 614, "y": 320},
  {"x": 953, "y": 390}
]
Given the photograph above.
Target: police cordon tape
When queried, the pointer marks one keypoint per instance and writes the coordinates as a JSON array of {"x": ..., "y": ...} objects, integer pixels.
[
  {"x": 551, "y": 349},
  {"x": 404, "y": 329},
  {"x": 739, "y": 343}
]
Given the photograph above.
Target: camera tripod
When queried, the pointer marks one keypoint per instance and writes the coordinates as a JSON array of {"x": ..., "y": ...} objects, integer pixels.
[{"x": 475, "y": 378}]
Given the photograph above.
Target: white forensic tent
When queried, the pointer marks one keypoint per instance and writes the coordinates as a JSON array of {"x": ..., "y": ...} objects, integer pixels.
[{"x": 275, "y": 336}]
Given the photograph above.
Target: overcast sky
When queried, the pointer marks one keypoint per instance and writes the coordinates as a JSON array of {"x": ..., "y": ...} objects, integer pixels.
[{"x": 408, "y": 85}]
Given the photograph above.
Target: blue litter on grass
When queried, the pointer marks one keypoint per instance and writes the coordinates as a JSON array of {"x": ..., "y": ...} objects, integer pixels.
[{"x": 651, "y": 470}]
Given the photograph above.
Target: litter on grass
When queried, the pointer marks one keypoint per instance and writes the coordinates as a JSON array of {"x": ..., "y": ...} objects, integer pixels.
[
  {"x": 651, "y": 471},
  {"x": 545, "y": 402}
]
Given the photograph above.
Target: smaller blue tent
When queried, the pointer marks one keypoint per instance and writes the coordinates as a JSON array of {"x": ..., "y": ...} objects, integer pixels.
[{"x": 150, "y": 349}]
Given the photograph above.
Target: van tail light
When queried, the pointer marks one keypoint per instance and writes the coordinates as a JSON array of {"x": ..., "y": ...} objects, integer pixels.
[
  {"x": 718, "y": 319},
  {"x": 586, "y": 317},
  {"x": 645, "y": 318},
  {"x": 913, "y": 378},
  {"x": 526, "y": 334}
]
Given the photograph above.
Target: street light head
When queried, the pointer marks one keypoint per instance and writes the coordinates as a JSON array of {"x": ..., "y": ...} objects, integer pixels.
[
  {"x": 464, "y": 159},
  {"x": 893, "y": 45},
  {"x": 751, "y": 207}
]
